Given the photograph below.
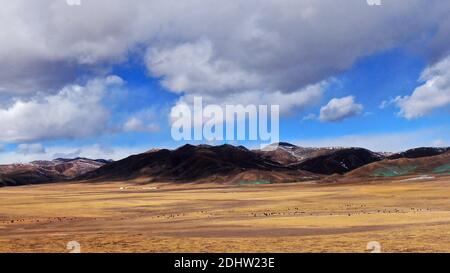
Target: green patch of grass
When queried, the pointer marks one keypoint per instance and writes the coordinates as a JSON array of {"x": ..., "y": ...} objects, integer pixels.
[
  {"x": 443, "y": 169},
  {"x": 258, "y": 182},
  {"x": 393, "y": 171}
]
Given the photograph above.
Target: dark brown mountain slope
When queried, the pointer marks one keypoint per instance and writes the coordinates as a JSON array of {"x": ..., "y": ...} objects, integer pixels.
[
  {"x": 339, "y": 162},
  {"x": 420, "y": 152}
]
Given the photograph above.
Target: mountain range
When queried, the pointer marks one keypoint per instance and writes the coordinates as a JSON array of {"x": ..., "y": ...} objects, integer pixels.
[{"x": 281, "y": 162}]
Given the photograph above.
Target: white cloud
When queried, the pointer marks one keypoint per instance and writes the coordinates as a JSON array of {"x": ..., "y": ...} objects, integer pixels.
[
  {"x": 340, "y": 109},
  {"x": 135, "y": 124},
  {"x": 386, "y": 103},
  {"x": 288, "y": 102},
  {"x": 310, "y": 116},
  {"x": 190, "y": 67},
  {"x": 46, "y": 44},
  {"x": 433, "y": 94},
  {"x": 266, "y": 57},
  {"x": 298, "y": 99},
  {"x": 143, "y": 120},
  {"x": 75, "y": 111}
]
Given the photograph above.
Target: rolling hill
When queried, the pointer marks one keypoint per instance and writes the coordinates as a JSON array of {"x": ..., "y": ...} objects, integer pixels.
[
  {"x": 42, "y": 171},
  {"x": 431, "y": 165}
]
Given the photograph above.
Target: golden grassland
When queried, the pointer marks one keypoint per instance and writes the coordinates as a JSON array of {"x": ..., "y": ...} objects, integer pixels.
[{"x": 403, "y": 216}]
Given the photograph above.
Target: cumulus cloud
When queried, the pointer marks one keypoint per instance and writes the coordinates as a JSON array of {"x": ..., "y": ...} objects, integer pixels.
[
  {"x": 271, "y": 45},
  {"x": 340, "y": 109},
  {"x": 270, "y": 57},
  {"x": 190, "y": 67},
  {"x": 75, "y": 111},
  {"x": 46, "y": 44},
  {"x": 434, "y": 93},
  {"x": 288, "y": 102}
]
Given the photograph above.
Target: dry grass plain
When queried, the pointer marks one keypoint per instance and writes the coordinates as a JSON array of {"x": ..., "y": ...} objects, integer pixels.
[{"x": 403, "y": 216}]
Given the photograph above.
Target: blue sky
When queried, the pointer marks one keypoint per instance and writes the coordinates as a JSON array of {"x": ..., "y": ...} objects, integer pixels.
[{"x": 107, "y": 89}]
